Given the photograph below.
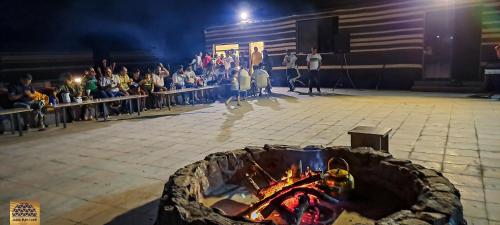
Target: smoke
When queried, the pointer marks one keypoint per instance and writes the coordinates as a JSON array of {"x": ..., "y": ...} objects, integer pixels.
[{"x": 168, "y": 29}]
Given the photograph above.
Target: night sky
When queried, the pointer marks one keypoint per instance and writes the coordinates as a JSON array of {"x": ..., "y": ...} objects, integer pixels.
[{"x": 168, "y": 28}]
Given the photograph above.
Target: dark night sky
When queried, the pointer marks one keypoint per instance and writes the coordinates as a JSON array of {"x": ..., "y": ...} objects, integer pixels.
[{"x": 167, "y": 27}]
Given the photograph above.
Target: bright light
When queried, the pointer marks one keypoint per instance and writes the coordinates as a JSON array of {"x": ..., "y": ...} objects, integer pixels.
[
  {"x": 78, "y": 80},
  {"x": 244, "y": 16}
]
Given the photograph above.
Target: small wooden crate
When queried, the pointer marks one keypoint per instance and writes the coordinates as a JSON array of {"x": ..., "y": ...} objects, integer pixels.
[{"x": 375, "y": 137}]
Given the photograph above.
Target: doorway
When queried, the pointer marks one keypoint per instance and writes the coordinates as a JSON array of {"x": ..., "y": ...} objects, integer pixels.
[
  {"x": 452, "y": 44},
  {"x": 438, "y": 44},
  {"x": 220, "y": 49},
  {"x": 251, "y": 46}
]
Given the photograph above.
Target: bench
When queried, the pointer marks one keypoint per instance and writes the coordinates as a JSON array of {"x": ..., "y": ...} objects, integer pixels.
[
  {"x": 15, "y": 118},
  {"x": 375, "y": 137},
  {"x": 166, "y": 94},
  {"x": 95, "y": 102}
]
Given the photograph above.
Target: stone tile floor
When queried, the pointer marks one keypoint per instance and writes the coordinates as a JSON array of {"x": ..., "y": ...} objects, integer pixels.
[{"x": 113, "y": 172}]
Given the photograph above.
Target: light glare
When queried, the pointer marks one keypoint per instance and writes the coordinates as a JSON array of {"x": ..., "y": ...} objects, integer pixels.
[{"x": 244, "y": 15}]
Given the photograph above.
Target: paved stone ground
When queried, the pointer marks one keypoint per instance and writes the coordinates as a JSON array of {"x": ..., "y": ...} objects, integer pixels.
[{"x": 113, "y": 172}]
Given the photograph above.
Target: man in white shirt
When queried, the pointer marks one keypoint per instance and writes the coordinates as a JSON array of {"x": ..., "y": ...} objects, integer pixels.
[
  {"x": 190, "y": 77},
  {"x": 244, "y": 79},
  {"x": 314, "y": 65},
  {"x": 292, "y": 73},
  {"x": 261, "y": 78},
  {"x": 159, "y": 79},
  {"x": 227, "y": 63}
]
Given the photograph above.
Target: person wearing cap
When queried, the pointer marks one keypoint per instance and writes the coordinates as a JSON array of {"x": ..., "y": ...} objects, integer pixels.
[{"x": 22, "y": 95}]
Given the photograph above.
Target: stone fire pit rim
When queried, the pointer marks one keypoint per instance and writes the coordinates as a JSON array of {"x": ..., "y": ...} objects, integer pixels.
[{"x": 438, "y": 201}]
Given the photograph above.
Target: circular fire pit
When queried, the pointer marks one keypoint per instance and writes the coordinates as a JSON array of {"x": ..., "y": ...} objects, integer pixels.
[{"x": 280, "y": 184}]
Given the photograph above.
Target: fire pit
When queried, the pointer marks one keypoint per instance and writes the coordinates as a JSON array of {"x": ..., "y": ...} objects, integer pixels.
[{"x": 287, "y": 185}]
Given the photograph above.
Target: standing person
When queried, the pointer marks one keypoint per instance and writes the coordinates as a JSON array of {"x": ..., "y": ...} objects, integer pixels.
[
  {"x": 104, "y": 66},
  {"x": 256, "y": 58},
  {"x": 236, "y": 58},
  {"x": 227, "y": 63},
  {"x": 219, "y": 61},
  {"x": 314, "y": 65},
  {"x": 497, "y": 50},
  {"x": 22, "y": 94},
  {"x": 235, "y": 86},
  {"x": 266, "y": 61},
  {"x": 206, "y": 61},
  {"x": 292, "y": 73},
  {"x": 194, "y": 62}
]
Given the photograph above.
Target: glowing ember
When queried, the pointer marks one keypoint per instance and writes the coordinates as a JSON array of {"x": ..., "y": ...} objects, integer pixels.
[
  {"x": 297, "y": 198},
  {"x": 256, "y": 216}
]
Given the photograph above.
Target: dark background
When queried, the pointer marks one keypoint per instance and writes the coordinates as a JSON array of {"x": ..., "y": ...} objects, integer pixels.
[{"x": 171, "y": 29}]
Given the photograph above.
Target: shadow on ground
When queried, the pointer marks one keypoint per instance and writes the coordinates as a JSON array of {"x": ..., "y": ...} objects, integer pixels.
[
  {"x": 80, "y": 126},
  {"x": 143, "y": 215}
]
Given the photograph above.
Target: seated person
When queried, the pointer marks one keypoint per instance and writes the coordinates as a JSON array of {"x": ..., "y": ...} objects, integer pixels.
[
  {"x": 244, "y": 79},
  {"x": 261, "y": 78},
  {"x": 124, "y": 81},
  {"x": 190, "y": 77},
  {"x": 220, "y": 74},
  {"x": 109, "y": 85},
  {"x": 22, "y": 95},
  {"x": 159, "y": 78},
  {"x": 179, "y": 78},
  {"x": 147, "y": 85},
  {"x": 90, "y": 83},
  {"x": 71, "y": 90},
  {"x": 135, "y": 84}
]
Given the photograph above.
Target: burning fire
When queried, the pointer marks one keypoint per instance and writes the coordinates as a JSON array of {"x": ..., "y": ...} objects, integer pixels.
[{"x": 304, "y": 196}]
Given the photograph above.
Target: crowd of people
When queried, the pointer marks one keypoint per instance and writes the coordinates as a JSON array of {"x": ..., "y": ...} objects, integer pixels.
[{"x": 107, "y": 81}]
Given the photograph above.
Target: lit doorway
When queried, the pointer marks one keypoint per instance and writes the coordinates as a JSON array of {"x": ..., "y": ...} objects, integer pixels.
[
  {"x": 222, "y": 48},
  {"x": 252, "y": 45}
]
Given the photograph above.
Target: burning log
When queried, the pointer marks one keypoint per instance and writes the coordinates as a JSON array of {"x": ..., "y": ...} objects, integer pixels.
[{"x": 301, "y": 209}]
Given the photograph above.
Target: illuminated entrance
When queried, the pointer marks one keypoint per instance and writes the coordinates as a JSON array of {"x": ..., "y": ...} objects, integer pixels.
[
  {"x": 222, "y": 48},
  {"x": 260, "y": 46}
]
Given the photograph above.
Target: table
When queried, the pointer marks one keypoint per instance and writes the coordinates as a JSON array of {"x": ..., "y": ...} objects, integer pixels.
[
  {"x": 17, "y": 112},
  {"x": 375, "y": 137},
  {"x": 167, "y": 94},
  {"x": 96, "y": 103}
]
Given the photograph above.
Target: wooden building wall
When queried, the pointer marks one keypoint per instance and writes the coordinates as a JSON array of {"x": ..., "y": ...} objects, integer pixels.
[
  {"x": 387, "y": 40},
  {"x": 490, "y": 30}
]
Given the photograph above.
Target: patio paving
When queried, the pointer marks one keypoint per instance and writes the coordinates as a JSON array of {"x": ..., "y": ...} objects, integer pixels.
[{"x": 113, "y": 172}]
